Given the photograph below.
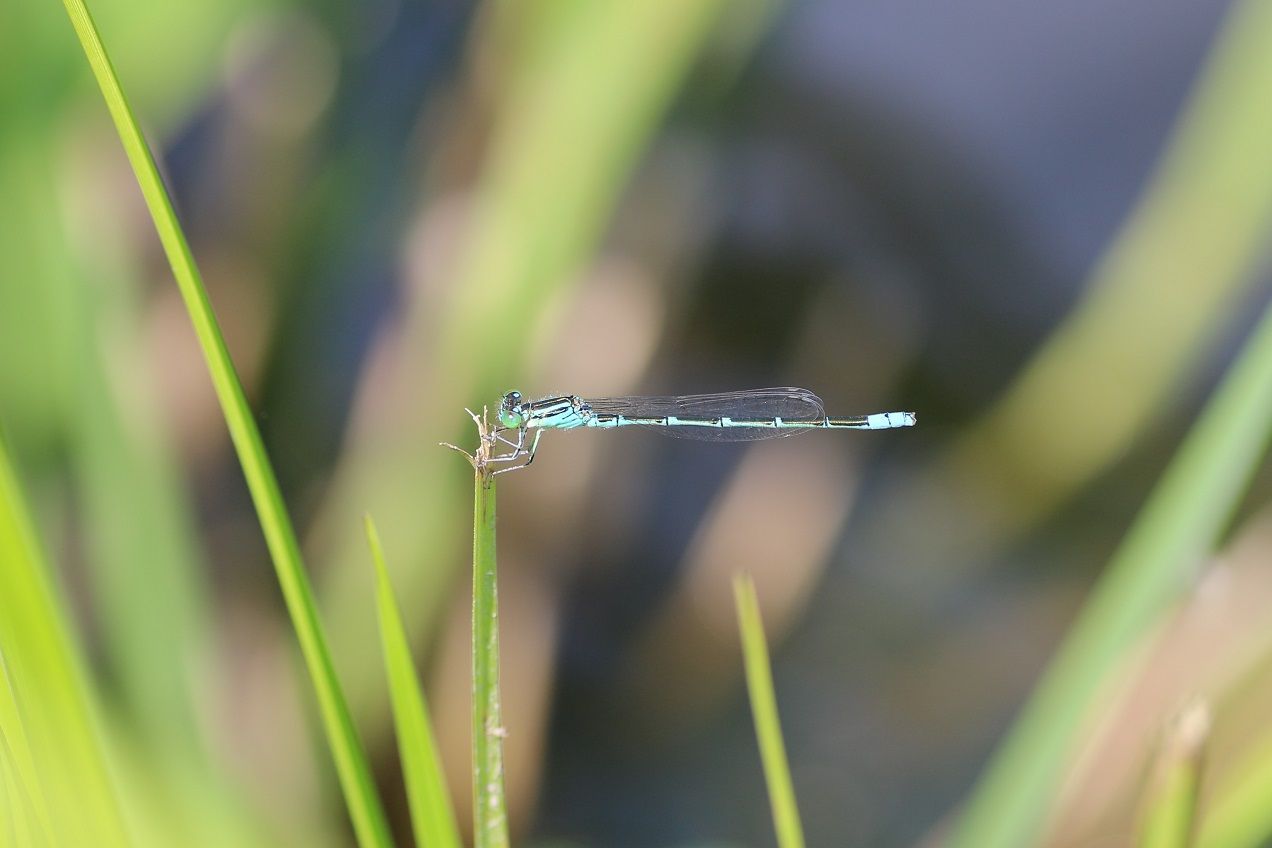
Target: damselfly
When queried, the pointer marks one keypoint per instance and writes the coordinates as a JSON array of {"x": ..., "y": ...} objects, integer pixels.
[{"x": 727, "y": 416}]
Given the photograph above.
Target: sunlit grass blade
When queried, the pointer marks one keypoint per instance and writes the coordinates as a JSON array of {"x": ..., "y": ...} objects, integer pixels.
[
  {"x": 768, "y": 729},
  {"x": 21, "y": 793},
  {"x": 51, "y": 708},
  {"x": 490, "y": 814},
  {"x": 1178, "y": 525},
  {"x": 351, "y": 765},
  {"x": 1170, "y": 808},
  {"x": 1240, "y": 812},
  {"x": 13, "y": 825},
  {"x": 432, "y": 814}
]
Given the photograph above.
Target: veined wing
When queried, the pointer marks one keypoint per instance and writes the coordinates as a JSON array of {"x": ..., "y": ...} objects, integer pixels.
[{"x": 721, "y": 416}]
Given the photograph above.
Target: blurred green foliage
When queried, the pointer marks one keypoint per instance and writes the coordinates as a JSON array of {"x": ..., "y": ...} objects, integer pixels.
[
  {"x": 1178, "y": 527},
  {"x": 54, "y": 756},
  {"x": 558, "y": 102},
  {"x": 577, "y": 99}
]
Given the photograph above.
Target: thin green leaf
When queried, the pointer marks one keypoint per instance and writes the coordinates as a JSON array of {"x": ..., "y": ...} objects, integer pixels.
[
  {"x": 768, "y": 728},
  {"x": 13, "y": 829},
  {"x": 1240, "y": 816},
  {"x": 50, "y": 706},
  {"x": 1170, "y": 809},
  {"x": 490, "y": 815},
  {"x": 24, "y": 792},
  {"x": 351, "y": 765},
  {"x": 432, "y": 815},
  {"x": 1179, "y": 524}
]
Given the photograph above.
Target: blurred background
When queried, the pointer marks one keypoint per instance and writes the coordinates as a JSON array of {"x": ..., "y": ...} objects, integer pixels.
[{"x": 1042, "y": 227}]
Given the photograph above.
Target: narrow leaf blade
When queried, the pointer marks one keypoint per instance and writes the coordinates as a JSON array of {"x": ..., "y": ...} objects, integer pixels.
[
  {"x": 432, "y": 814},
  {"x": 768, "y": 728}
]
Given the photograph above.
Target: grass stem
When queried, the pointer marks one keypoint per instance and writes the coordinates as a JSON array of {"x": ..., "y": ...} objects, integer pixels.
[
  {"x": 432, "y": 815},
  {"x": 768, "y": 728},
  {"x": 490, "y": 820}
]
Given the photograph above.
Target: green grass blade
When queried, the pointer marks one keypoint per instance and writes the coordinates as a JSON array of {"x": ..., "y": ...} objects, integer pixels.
[
  {"x": 490, "y": 815},
  {"x": 1178, "y": 525},
  {"x": 12, "y": 825},
  {"x": 1170, "y": 810},
  {"x": 50, "y": 705},
  {"x": 768, "y": 729},
  {"x": 351, "y": 765},
  {"x": 23, "y": 784},
  {"x": 1240, "y": 814},
  {"x": 432, "y": 814}
]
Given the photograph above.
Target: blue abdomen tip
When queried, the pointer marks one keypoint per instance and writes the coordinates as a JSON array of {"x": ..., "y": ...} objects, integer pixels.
[{"x": 888, "y": 420}]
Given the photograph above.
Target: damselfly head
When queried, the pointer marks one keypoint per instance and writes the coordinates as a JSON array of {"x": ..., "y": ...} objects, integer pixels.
[{"x": 511, "y": 415}]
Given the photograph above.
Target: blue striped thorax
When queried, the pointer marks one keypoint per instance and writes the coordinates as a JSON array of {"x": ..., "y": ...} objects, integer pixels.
[{"x": 558, "y": 413}]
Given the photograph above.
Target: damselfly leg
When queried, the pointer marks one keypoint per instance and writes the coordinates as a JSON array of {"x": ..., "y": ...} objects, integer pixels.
[
  {"x": 516, "y": 446},
  {"x": 519, "y": 449}
]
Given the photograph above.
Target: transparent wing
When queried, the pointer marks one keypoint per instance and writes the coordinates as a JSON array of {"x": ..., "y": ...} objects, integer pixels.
[{"x": 789, "y": 404}]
